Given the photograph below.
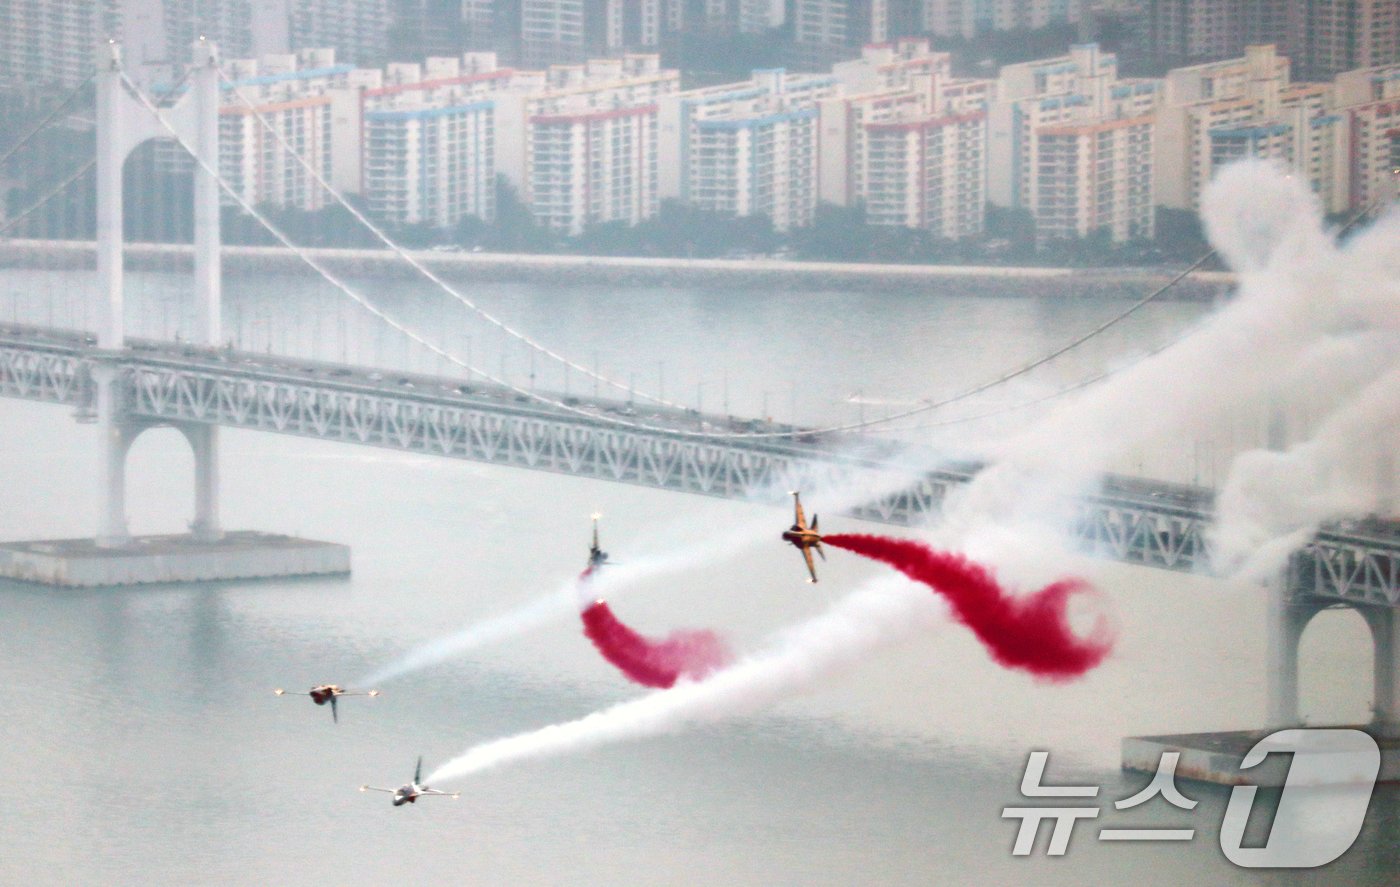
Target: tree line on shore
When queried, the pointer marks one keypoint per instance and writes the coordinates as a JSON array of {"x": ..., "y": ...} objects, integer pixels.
[{"x": 157, "y": 209}]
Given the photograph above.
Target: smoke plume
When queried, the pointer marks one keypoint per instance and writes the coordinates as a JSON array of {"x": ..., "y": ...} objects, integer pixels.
[
  {"x": 879, "y": 614},
  {"x": 1030, "y": 632}
]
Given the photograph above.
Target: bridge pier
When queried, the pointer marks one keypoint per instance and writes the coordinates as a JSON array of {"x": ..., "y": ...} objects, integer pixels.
[
  {"x": 115, "y": 440},
  {"x": 1385, "y": 639},
  {"x": 117, "y": 437},
  {"x": 1288, "y": 618},
  {"x": 204, "y": 440}
]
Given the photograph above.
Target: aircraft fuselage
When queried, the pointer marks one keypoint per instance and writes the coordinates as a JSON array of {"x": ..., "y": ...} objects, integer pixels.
[
  {"x": 801, "y": 538},
  {"x": 322, "y": 695}
]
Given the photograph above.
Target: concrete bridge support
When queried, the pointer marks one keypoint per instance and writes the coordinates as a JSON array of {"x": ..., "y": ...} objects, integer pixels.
[
  {"x": 123, "y": 123},
  {"x": 1385, "y": 638},
  {"x": 1289, "y": 615},
  {"x": 116, "y": 437},
  {"x": 204, "y": 440}
]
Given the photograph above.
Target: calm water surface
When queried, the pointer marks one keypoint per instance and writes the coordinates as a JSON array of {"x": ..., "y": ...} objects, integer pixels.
[{"x": 142, "y": 743}]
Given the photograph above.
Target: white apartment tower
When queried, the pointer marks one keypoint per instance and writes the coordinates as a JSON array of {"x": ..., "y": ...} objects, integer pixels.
[
  {"x": 429, "y": 136},
  {"x": 293, "y": 94},
  {"x": 969, "y": 18},
  {"x": 45, "y": 42},
  {"x": 907, "y": 140},
  {"x": 1218, "y": 112},
  {"x": 358, "y": 29},
  {"x": 746, "y": 148},
  {"x": 1073, "y": 144},
  {"x": 1369, "y": 102},
  {"x": 582, "y": 147}
]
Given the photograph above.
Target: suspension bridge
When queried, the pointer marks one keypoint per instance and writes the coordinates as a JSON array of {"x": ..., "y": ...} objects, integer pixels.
[{"x": 128, "y": 385}]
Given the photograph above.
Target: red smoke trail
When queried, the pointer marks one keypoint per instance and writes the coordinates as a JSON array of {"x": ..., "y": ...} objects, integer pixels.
[
  {"x": 652, "y": 663},
  {"x": 1030, "y": 632}
]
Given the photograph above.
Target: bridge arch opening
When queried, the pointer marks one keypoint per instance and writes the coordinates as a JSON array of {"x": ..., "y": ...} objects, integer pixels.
[
  {"x": 160, "y": 471},
  {"x": 174, "y": 468},
  {"x": 1336, "y": 659}
]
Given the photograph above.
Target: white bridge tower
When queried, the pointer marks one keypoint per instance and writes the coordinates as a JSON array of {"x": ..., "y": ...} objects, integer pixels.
[{"x": 123, "y": 123}]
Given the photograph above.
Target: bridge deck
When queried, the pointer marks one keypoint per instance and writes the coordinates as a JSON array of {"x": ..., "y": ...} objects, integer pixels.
[{"x": 1131, "y": 519}]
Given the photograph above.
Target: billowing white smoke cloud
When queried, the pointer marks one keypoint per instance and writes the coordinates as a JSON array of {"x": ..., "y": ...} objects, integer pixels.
[
  {"x": 1348, "y": 381},
  {"x": 1287, "y": 314},
  {"x": 885, "y": 611},
  {"x": 1275, "y": 501},
  {"x": 1297, "y": 292}
]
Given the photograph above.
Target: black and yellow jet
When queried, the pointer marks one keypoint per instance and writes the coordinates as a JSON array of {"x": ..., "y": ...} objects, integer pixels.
[{"x": 803, "y": 537}]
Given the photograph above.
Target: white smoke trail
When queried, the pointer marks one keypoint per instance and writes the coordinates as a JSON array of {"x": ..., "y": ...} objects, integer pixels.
[
  {"x": 563, "y": 603},
  {"x": 1274, "y": 502},
  {"x": 1268, "y": 224},
  {"x": 839, "y": 485},
  {"x": 492, "y": 630},
  {"x": 885, "y": 611}
]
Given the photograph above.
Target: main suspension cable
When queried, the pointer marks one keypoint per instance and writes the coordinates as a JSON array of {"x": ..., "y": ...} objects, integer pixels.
[
  {"x": 379, "y": 313},
  {"x": 398, "y": 250},
  {"x": 39, "y": 127},
  {"x": 21, "y": 216},
  {"x": 924, "y": 407}
]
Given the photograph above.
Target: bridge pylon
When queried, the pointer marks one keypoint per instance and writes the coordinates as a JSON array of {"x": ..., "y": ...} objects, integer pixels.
[
  {"x": 123, "y": 123},
  {"x": 1291, "y": 609}
]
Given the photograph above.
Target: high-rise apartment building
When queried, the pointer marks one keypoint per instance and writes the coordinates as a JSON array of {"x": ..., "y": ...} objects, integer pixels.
[
  {"x": 356, "y": 29},
  {"x": 1073, "y": 144},
  {"x": 1321, "y": 37},
  {"x": 293, "y": 94},
  {"x": 582, "y": 148},
  {"x": 746, "y": 148},
  {"x": 827, "y": 31},
  {"x": 969, "y": 18},
  {"x": 429, "y": 140},
  {"x": 1214, "y": 113},
  {"x": 572, "y": 31},
  {"x": 907, "y": 140},
  {"x": 1369, "y": 102},
  {"x": 52, "y": 42},
  {"x": 1332, "y": 36}
]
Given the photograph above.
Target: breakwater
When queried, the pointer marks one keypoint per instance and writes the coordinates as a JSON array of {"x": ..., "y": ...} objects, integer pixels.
[{"x": 467, "y": 267}]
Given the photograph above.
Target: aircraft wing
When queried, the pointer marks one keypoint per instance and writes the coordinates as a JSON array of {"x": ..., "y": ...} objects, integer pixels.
[
  {"x": 375, "y": 788},
  {"x": 800, "y": 519},
  {"x": 433, "y": 791},
  {"x": 811, "y": 567}
]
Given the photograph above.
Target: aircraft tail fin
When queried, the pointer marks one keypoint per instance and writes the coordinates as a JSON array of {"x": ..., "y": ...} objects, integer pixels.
[
  {"x": 814, "y": 522},
  {"x": 821, "y": 551},
  {"x": 418, "y": 771},
  {"x": 335, "y": 715}
]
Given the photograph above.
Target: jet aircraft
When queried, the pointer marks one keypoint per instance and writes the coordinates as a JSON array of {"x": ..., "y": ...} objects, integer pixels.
[
  {"x": 324, "y": 693},
  {"x": 596, "y": 555},
  {"x": 409, "y": 794},
  {"x": 803, "y": 537}
]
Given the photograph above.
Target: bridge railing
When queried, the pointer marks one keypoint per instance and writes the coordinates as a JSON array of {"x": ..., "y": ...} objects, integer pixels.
[{"x": 1133, "y": 520}]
